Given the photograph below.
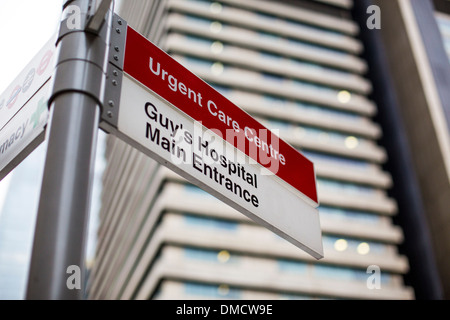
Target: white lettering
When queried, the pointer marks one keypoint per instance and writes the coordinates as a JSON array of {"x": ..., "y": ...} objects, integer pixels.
[
  {"x": 374, "y": 21},
  {"x": 374, "y": 280},
  {"x": 74, "y": 281},
  {"x": 74, "y": 19}
]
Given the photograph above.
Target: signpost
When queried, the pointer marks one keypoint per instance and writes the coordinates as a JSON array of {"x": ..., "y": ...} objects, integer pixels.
[
  {"x": 75, "y": 104},
  {"x": 176, "y": 118},
  {"x": 110, "y": 76}
]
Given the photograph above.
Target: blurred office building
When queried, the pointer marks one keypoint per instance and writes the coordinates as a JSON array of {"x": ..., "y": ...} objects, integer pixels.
[{"x": 366, "y": 105}]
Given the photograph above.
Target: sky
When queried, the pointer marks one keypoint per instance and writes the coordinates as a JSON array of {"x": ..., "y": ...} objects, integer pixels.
[{"x": 26, "y": 27}]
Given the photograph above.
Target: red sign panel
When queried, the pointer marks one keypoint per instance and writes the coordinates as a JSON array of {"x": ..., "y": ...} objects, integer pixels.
[{"x": 169, "y": 79}]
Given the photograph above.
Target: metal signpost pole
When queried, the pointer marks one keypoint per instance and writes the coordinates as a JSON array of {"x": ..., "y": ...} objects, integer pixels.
[{"x": 76, "y": 101}]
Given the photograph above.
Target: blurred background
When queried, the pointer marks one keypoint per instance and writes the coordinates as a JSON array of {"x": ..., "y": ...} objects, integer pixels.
[{"x": 359, "y": 87}]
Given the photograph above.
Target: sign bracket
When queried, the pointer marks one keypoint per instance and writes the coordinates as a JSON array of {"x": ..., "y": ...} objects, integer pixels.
[{"x": 114, "y": 75}]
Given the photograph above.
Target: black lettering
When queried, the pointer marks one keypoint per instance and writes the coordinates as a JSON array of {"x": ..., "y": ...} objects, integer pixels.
[
  {"x": 153, "y": 114},
  {"x": 196, "y": 162},
  {"x": 152, "y": 136},
  {"x": 255, "y": 201},
  {"x": 188, "y": 137}
]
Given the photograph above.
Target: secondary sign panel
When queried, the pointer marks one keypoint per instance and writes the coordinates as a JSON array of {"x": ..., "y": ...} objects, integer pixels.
[
  {"x": 28, "y": 82},
  {"x": 25, "y": 131},
  {"x": 23, "y": 109},
  {"x": 176, "y": 118}
]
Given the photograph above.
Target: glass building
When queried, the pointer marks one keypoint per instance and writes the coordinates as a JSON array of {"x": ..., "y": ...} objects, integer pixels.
[
  {"x": 334, "y": 89},
  {"x": 444, "y": 27},
  {"x": 17, "y": 222}
]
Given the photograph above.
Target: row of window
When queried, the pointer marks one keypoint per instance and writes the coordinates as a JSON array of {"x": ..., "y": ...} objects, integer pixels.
[
  {"x": 313, "y": 109},
  {"x": 340, "y": 244},
  {"x": 287, "y": 266},
  {"x": 221, "y": 291},
  {"x": 218, "y": 68},
  {"x": 342, "y": 96},
  {"x": 326, "y": 211},
  {"x": 335, "y": 159},
  {"x": 225, "y": 291},
  {"x": 352, "y": 216},
  {"x": 299, "y": 43},
  {"x": 217, "y": 47},
  {"x": 444, "y": 27},
  {"x": 444, "y": 23},
  {"x": 326, "y": 136},
  {"x": 217, "y": 27},
  {"x": 348, "y": 188},
  {"x": 217, "y": 7},
  {"x": 350, "y": 142}
]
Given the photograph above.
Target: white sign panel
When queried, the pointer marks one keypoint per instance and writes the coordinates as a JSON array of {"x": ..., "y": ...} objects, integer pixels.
[{"x": 173, "y": 138}]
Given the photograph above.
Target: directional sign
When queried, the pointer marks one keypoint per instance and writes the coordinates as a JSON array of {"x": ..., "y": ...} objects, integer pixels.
[
  {"x": 27, "y": 83},
  {"x": 180, "y": 87},
  {"x": 24, "y": 132},
  {"x": 23, "y": 110},
  {"x": 172, "y": 115}
]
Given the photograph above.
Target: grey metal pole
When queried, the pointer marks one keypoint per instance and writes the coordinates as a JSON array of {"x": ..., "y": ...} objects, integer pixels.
[{"x": 60, "y": 234}]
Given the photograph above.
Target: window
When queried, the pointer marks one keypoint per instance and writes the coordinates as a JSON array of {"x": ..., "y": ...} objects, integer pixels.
[
  {"x": 319, "y": 48},
  {"x": 292, "y": 266},
  {"x": 359, "y": 246},
  {"x": 223, "y": 90},
  {"x": 315, "y": 156},
  {"x": 198, "y": 40},
  {"x": 210, "y": 223},
  {"x": 271, "y": 56},
  {"x": 345, "y": 274},
  {"x": 273, "y": 77},
  {"x": 192, "y": 61},
  {"x": 277, "y": 101},
  {"x": 295, "y": 24},
  {"x": 332, "y": 113},
  {"x": 279, "y": 125},
  {"x": 327, "y": 136},
  {"x": 214, "y": 256},
  {"x": 312, "y": 65},
  {"x": 291, "y": 296},
  {"x": 313, "y": 86},
  {"x": 323, "y": 135},
  {"x": 345, "y": 187},
  {"x": 349, "y": 215},
  {"x": 194, "y": 190},
  {"x": 213, "y": 291},
  {"x": 197, "y": 20}
]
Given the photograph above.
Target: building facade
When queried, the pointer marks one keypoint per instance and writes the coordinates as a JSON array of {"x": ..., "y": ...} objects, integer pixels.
[
  {"x": 298, "y": 67},
  {"x": 411, "y": 77}
]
